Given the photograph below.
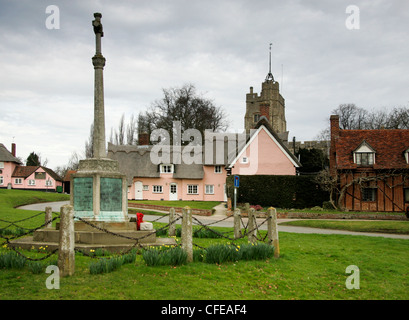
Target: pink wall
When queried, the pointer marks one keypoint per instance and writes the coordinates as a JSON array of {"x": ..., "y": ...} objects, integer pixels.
[
  {"x": 7, "y": 172},
  {"x": 166, "y": 179},
  {"x": 39, "y": 183},
  {"x": 265, "y": 157}
]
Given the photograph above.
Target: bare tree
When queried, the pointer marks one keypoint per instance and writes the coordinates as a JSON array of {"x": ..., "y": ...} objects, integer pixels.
[{"x": 187, "y": 106}]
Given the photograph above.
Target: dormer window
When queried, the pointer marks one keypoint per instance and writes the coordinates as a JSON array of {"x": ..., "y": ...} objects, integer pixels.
[
  {"x": 364, "y": 155},
  {"x": 166, "y": 168},
  {"x": 407, "y": 156}
]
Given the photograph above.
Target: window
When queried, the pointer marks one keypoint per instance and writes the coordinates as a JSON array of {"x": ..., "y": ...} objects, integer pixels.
[
  {"x": 218, "y": 169},
  {"x": 209, "y": 189},
  {"x": 369, "y": 194},
  {"x": 49, "y": 183},
  {"x": 31, "y": 182},
  {"x": 364, "y": 158},
  {"x": 245, "y": 160},
  {"x": 406, "y": 191},
  {"x": 406, "y": 156},
  {"x": 18, "y": 181},
  {"x": 1, "y": 165},
  {"x": 157, "y": 189},
  {"x": 145, "y": 187},
  {"x": 1, "y": 180},
  {"x": 192, "y": 189},
  {"x": 166, "y": 168},
  {"x": 256, "y": 117},
  {"x": 173, "y": 188}
]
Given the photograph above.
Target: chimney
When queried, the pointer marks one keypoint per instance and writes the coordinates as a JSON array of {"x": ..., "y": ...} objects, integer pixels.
[
  {"x": 13, "y": 149},
  {"x": 265, "y": 110},
  {"x": 143, "y": 139},
  {"x": 334, "y": 120}
]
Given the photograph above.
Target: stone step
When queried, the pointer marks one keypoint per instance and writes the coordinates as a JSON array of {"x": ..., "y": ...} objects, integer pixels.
[{"x": 98, "y": 237}]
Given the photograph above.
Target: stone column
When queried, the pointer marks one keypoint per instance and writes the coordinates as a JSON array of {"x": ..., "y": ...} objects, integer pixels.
[
  {"x": 48, "y": 217},
  {"x": 251, "y": 226},
  {"x": 172, "y": 225},
  {"x": 237, "y": 224},
  {"x": 272, "y": 231},
  {"x": 187, "y": 233},
  {"x": 66, "y": 254},
  {"x": 99, "y": 147}
]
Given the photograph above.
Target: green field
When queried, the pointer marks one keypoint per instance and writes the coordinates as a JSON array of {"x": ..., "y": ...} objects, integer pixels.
[{"x": 311, "y": 267}]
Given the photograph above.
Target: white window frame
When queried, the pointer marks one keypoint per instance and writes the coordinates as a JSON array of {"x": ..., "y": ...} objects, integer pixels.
[
  {"x": 145, "y": 187},
  {"x": 218, "y": 169},
  {"x": 369, "y": 161},
  {"x": 1, "y": 180},
  {"x": 157, "y": 189},
  {"x": 31, "y": 182},
  {"x": 48, "y": 183},
  {"x": 407, "y": 156},
  {"x": 18, "y": 181},
  {"x": 166, "y": 168},
  {"x": 191, "y": 189},
  {"x": 1, "y": 165},
  {"x": 209, "y": 189}
]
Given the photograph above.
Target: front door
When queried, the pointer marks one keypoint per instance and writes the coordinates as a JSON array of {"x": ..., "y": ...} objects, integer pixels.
[
  {"x": 138, "y": 190},
  {"x": 173, "y": 192}
]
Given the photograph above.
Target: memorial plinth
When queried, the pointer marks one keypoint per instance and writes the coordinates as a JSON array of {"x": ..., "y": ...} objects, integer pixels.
[{"x": 98, "y": 191}]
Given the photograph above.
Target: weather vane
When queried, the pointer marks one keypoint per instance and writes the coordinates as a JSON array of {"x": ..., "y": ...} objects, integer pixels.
[{"x": 270, "y": 75}]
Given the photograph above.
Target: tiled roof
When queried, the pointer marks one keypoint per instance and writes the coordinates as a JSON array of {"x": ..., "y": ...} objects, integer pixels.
[
  {"x": 389, "y": 146},
  {"x": 26, "y": 171}
]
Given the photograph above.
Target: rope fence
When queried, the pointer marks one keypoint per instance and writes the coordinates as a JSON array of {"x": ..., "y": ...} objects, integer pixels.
[{"x": 66, "y": 249}]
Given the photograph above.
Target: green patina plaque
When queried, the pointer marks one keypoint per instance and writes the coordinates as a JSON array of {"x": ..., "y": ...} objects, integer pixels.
[
  {"x": 111, "y": 194},
  {"x": 83, "y": 199}
]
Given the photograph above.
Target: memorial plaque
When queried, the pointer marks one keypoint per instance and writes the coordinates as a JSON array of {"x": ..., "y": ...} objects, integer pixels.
[
  {"x": 111, "y": 194},
  {"x": 83, "y": 199}
]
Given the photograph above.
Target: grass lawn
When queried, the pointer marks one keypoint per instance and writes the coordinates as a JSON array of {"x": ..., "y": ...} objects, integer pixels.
[
  {"x": 207, "y": 205},
  {"x": 311, "y": 267},
  {"x": 9, "y": 199},
  {"x": 399, "y": 227}
]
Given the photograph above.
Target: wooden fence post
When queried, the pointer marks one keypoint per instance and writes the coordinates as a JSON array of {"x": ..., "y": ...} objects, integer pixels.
[
  {"x": 237, "y": 223},
  {"x": 172, "y": 225},
  {"x": 66, "y": 254},
  {"x": 187, "y": 232},
  {"x": 272, "y": 231},
  {"x": 48, "y": 217}
]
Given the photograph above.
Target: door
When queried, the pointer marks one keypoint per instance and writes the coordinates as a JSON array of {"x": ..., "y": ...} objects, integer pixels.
[
  {"x": 173, "y": 191},
  {"x": 138, "y": 190}
]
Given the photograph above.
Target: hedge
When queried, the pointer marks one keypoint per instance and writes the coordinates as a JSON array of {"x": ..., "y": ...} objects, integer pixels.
[{"x": 278, "y": 191}]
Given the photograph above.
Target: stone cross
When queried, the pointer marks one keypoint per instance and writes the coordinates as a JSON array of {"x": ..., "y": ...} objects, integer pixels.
[{"x": 99, "y": 148}]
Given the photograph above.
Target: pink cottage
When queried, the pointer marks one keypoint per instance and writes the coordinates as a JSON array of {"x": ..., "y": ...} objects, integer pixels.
[
  {"x": 15, "y": 176},
  {"x": 204, "y": 179}
]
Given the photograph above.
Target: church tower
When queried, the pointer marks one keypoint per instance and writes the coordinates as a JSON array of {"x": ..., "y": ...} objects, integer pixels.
[{"x": 269, "y": 103}]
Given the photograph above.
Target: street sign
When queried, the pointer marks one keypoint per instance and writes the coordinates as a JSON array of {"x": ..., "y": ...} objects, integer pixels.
[{"x": 236, "y": 181}]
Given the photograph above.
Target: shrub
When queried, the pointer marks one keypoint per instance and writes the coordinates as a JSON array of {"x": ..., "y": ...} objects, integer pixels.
[
  {"x": 106, "y": 265},
  {"x": 220, "y": 253},
  {"x": 164, "y": 256},
  {"x": 12, "y": 260},
  {"x": 278, "y": 191},
  {"x": 35, "y": 267},
  {"x": 227, "y": 253}
]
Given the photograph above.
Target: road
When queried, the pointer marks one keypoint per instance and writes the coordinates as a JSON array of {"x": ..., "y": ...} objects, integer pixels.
[{"x": 215, "y": 221}]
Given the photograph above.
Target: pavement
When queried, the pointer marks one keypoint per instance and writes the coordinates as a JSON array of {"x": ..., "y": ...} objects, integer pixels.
[{"x": 220, "y": 214}]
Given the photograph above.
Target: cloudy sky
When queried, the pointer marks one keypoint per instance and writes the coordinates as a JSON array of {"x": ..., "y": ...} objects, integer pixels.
[{"x": 46, "y": 75}]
